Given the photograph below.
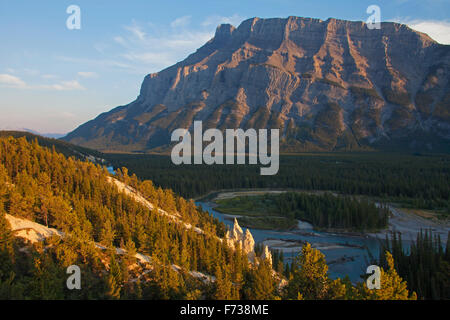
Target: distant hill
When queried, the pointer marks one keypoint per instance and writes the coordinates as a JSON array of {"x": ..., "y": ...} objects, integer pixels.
[
  {"x": 47, "y": 135},
  {"x": 64, "y": 147},
  {"x": 328, "y": 85}
]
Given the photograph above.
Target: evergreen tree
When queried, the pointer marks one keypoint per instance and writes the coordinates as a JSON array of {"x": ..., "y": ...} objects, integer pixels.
[
  {"x": 6, "y": 247},
  {"x": 308, "y": 275},
  {"x": 392, "y": 285},
  {"x": 222, "y": 285},
  {"x": 114, "y": 279}
]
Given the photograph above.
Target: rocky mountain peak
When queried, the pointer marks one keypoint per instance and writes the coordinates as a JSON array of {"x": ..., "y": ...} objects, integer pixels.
[
  {"x": 224, "y": 31},
  {"x": 327, "y": 85}
]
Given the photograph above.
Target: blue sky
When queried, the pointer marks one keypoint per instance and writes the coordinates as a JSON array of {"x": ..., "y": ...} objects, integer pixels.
[{"x": 53, "y": 79}]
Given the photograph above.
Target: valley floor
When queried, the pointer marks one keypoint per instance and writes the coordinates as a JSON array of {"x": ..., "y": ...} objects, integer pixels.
[
  {"x": 409, "y": 224},
  {"x": 405, "y": 221}
]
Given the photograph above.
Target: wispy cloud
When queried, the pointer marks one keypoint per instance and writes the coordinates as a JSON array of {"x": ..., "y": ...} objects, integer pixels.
[
  {"x": 108, "y": 63},
  {"x": 66, "y": 114},
  {"x": 181, "y": 22},
  {"x": 120, "y": 40},
  {"x": 31, "y": 72},
  {"x": 101, "y": 47},
  {"x": 439, "y": 30},
  {"x": 151, "y": 48},
  {"x": 215, "y": 20},
  {"x": 148, "y": 58},
  {"x": 10, "y": 81},
  {"x": 136, "y": 30},
  {"x": 64, "y": 85},
  {"x": 143, "y": 47},
  {"x": 49, "y": 76},
  {"x": 87, "y": 74}
]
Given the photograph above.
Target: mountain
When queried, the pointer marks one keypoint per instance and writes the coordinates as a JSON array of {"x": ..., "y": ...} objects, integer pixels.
[
  {"x": 328, "y": 85},
  {"x": 47, "y": 135}
]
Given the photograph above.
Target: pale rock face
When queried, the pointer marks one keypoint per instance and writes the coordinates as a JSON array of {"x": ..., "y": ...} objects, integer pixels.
[
  {"x": 266, "y": 255},
  {"x": 229, "y": 240},
  {"x": 238, "y": 239},
  {"x": 238, "y": 234},
  {"x": 248, "y": 243},
  {"x": 329, "y": 85}
]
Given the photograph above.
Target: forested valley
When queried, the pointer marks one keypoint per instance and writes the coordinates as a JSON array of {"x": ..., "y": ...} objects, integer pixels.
[
  {"x": 324, "y": 211},
  {"x": 77, "y": 197},
  {"x": 415, "y": 180}
]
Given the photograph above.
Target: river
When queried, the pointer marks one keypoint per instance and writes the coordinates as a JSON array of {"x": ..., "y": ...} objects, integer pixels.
[{"x": 345, "y": 254}]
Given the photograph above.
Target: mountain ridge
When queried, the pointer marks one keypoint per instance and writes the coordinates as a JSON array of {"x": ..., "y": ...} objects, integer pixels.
[{"x": 327, "y": 85}]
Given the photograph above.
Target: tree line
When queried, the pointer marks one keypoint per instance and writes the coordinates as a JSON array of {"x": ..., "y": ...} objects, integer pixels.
[
  {"x": 421, "y": 181},
  {"x": 332, "y": 212},
  {"x": 425, "y": 264},
  {"x": 323, "y": 211}
]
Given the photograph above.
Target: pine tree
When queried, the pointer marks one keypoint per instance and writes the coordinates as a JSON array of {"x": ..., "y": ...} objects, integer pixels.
[
  {"x": 48, "y": 278},
  {"x": 114, "y": 279},
  {"x": 223, "y": 285},
  {"x": 308, "y": 275},
  {"x": 107, "y": 234},
  {"x": 392, "y": 285},
  {"x": 6, "y": 247},
  {"x": 263, "y": 287},
  {"x": 113, "y": 288}
]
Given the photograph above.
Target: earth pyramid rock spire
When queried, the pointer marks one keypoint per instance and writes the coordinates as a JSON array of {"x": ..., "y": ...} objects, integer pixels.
[{"x": 237, "y": 238}]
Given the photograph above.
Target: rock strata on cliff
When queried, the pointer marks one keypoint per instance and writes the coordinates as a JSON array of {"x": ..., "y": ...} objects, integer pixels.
[{"x": 327, "y": 85}]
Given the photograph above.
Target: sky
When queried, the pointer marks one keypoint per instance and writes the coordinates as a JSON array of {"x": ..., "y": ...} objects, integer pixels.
[{"x": 52, "y": 78}]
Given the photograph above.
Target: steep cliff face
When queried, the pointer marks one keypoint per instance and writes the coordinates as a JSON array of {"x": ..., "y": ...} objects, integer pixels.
[{"x": 328, "y": 85}]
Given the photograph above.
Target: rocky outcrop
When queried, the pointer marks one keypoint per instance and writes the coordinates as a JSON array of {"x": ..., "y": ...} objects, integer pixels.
[
  {"x": 328, "y": 85},
  {"x": 31, "y": 231},
  {"x": 266, "y": 255},
  {"x": 248, "y": 245},
  {"x": 237, "y": 239},
  {"x": 237, "y": 234}
]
